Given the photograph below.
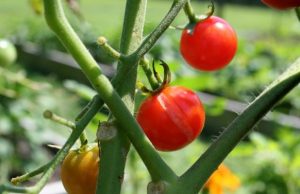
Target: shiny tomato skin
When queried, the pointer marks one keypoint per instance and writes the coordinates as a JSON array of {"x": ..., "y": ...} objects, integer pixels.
[
  {"x": 210, "y": 45},
  {"x": 79, "y": 170},
  {"x": 172, "y": 118},
  {"x": 282, "y": 4}
]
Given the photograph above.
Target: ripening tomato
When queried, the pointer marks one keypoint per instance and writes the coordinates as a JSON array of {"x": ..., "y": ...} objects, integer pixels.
[
  {"x": 210, "y": 45},
  {"x": 171, "y": 118},
  {"x": 282, "y": 4},
  {"x": 79, "y": 170}
]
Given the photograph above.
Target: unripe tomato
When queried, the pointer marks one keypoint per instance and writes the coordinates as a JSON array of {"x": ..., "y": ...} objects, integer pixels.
[
  {"x": 79, "y": 170},
  {"x": 8, "y": 53},
  {"x": 210, "y": 45},
  {"x": 282, "y": 4},
  {"x": 172, "y": 118}
]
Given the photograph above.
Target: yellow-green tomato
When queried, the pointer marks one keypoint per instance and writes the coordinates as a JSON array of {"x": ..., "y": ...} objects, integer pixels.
[
  {"x": 8, "y": 53},
  {"x": 79, "y": 170}
]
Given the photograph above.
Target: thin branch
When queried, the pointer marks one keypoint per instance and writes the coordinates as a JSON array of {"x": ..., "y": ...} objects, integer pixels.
[
  {"x": 189, "y": 12},
  {"x": 159, "y": 30},
  {"x": 27, "y": 176}
]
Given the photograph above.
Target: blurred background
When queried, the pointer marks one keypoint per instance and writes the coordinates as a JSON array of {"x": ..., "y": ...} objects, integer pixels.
[{"x": 44, "y": 77}]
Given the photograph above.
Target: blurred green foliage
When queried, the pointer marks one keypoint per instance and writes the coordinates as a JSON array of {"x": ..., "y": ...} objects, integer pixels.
[{"x": 24, "y": 133}]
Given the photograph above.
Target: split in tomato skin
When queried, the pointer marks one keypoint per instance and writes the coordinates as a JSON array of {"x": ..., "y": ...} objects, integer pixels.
[
  {"x": 282, "y": 4},
  {"x": 79, "y": 170},
  {"x": 210, "y": 45},
  {"x": 172, "y": 118}
]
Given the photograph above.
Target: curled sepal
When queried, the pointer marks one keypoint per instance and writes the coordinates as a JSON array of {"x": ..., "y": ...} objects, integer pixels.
[
  {"x": 167, "y": 76},
  {"x": 194, "y": 19},
  {"x": 161, "y": 83},
  {"x": 140, "y": 86},
  {"x": 211, "y": 10}
]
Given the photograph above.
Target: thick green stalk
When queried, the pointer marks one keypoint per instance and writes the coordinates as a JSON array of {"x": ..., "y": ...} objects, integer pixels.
[
  {"x": 59, "y": 24},
  {"x": 192, "y": 180},
  {"x": 114, "y": 152}
]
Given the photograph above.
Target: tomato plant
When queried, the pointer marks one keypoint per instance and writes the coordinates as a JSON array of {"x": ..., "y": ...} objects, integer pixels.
[
  {"x": 172, "y": 118},
  {"x": 8, "y": 53},
  {"x": 79, "y": 170},
  {"x": 282, "y": 4},
  {"x": 210, "y": 45}
]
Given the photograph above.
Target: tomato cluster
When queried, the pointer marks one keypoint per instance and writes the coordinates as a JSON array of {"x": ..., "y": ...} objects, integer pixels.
[
  {"x": 282, "y": 4},
  {"x": 209, "y": 45},
  {"x": 79, "y": 170},
  {"x": 172, "y": 118}
]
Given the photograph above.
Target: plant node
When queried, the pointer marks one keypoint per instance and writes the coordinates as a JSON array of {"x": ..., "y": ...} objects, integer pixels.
[
  {"x": 156, "y": 187},
  {"x": 102, "y": 41},
  {"x": 106, "y": 131}
]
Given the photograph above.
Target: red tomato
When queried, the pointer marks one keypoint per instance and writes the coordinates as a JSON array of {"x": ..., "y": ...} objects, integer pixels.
[
  {"x": 79, "y": 170},
  {"x": 282, "y": 4},
  {"x": 172, "y": 118},
  {"x": 211, "y": 45}
]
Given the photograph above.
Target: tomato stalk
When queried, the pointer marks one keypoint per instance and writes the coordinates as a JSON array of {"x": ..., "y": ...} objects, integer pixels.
[
  {"x": 189, "y": 12},
  {"x": 58, "y": 23},
  {"x": 193, "y": 18},
  {"x": 114, "y": 150}
]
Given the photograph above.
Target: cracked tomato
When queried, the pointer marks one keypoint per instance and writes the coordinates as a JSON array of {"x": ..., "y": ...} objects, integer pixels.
[{"x": 171, "y": 118}]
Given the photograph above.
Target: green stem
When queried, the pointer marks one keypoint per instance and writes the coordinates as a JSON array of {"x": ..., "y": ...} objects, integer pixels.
[
  {"x": 114, "y": 152},
  {"x": 15, "y": 189},
  {"x": 107, "y": 48},
  {"x": 50, "y": 115},
  {"x": 189, "y": 12},
  {"x": 27, "y": 176},
  {"x": 144, "y": 63},
  {"x": 192, "y": 180},
  {"x": 159, "y": 30},
  {"x": 58, "y": 119},
  {"x": 58, "y": 23}
]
